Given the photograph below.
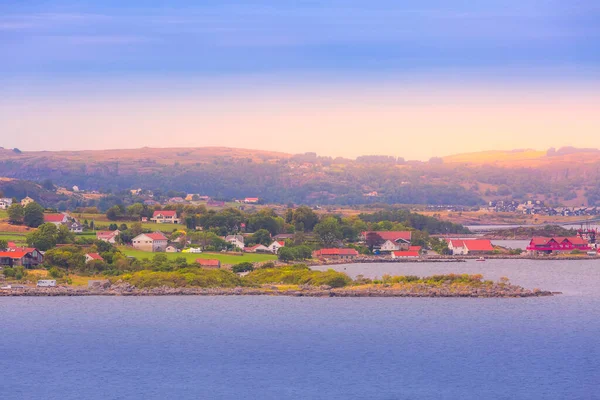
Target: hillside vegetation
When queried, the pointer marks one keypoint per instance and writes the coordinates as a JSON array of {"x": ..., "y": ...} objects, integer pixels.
[{"x": 566, "y": 176}]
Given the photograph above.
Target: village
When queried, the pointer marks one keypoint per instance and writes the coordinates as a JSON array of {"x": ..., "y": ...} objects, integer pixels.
[{"x": 260, "y": 237}]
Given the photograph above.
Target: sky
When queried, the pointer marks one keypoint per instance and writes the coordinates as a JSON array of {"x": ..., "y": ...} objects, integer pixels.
[{"x": 413, "y": 79}]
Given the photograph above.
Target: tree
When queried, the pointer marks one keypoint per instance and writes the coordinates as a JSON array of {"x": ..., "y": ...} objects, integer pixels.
[
  {"x": 242, "y": 267},
  {"x": 306, "y": 217},
  {"x": 328, "y": 231},
  {"x": 286, "y": 254},
  {"x": 136, "y": 228},
  {"x": 15, "y": 213},
  {"x": 48, "y": 185},
  {"x": 33, "y": 215},
  {"x": 3, "y": 244},
  {"x": 261, "y": 236},
  {"x": 115, "y": 212},
  {"x": 44, "y": 238},
  {"x": 135, "y": 210}
]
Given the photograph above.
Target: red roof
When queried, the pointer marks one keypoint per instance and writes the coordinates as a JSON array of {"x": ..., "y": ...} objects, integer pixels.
[
  {"x": 156, "y": 236},
  {"x": 408, "y": 253},
  {"x": 165, "y": 213},
  {"x": 106, "y": 234},
  {"x": 13, "y": 254},
  {"x": 208, "y": 262},
  {"x": 415, "y": 248},
  {"x": 391, "y": 235},
  {"x": 11, "y": 244},
  {"x": 575, "y": 240},
  {"x": 54, "y": 217},
  {"x": 473, "y": 244},
  {"x": 336, "y": 252},
  {"x": 95, "y": 256}
]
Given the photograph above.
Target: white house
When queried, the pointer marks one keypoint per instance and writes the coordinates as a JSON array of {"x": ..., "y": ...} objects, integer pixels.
[
  {"x": 110, "y": 237},
  {"x": 75, "y": 227},
  {"x": 56, "y": 218},
  {"x": 5, "y": 202},
  {"x": 150, "y": 242},
  {"x": 165, "y": 217},
  {"x": 93, "y": 256},
  {"x": 26, "y": 201},
  {"x": 172, "y": 249},
  {"x": 258, "y": 248},
  {"x": 236, "y": 240},
  {"x": 276, "y": 245}
]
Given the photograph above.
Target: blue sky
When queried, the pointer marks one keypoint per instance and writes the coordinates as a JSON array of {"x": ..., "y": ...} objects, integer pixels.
[{"x": 54, "y": 48}]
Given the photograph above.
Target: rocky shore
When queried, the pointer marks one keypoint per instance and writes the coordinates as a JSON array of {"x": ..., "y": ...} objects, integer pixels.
[{"x": 408, "y": 290}]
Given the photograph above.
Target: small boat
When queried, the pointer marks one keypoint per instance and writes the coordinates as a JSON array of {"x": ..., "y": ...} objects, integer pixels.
[{"x": 481, "y": 259}]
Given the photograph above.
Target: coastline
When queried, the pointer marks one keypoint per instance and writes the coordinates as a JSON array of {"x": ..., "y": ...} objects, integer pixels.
[{"x": 416, "y": 290}]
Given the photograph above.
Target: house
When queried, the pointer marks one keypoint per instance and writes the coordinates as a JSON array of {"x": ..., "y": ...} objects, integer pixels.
[
  {"x": 5, "y": 203},
  {"x": 154, "y": 242},
  {"x": 236, "y": 240},
  {"x": 110, "y": 237},
  {"x": 27, "y": 200},
  {"x": 470, "y": 246},
  {"x": 75, "y": 227},
  {"x": 208, "y": 263},
  {"x": 93, "y": 257},
  {"x": 406, "y": 254},
  {"x": 251, "y": 200},
  {"x": 387, "y": 241},
  {"x": 549, "y": 245},
  {"x": 21, "y": 256},
  {"x": 335, "y": 253},
  {"x": 57, "y": 219},
  {"x": 276, "y": 245},
  {"x": 257, "y": 248},
  {"x": 172, "y": 249},
  {"x": 176, "y": 200},
  {"x": 165, "y": 217}
]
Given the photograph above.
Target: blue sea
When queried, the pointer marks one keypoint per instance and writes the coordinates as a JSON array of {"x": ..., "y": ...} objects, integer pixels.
[{"x": 313, "y": 348}]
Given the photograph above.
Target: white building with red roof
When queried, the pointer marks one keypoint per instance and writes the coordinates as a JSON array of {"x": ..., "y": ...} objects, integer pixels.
[
  {"x": 154, "y": 242},
  {"x": 276, "y": 245},
  {"x": 93, "y": 257},
  {"x": 165, "y": 217},
  {"x": 108, "y": 236},
  {"x": 257, "y": 248},
  {"x": 335, "y": 253},
  {"x": 387, "y": 241},
  {"x": 208, "y": 263},
  {"x": 470, "y": 246},
  {"x": 56, "y": 218}
]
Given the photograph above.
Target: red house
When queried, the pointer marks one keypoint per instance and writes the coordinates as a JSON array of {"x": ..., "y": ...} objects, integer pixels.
[
  {"x": 557, "y": 244},
  {"x": 335, "y": 253},
  {"x": 208, "y": 263}
]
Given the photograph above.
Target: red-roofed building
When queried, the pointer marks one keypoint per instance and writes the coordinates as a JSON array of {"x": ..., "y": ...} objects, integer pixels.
[
  {"x": 92, "y": 257},
  {"x": 559, "y": 244},
  {"x": 470, "y": 246},
  {"x": 56, "y": 219},
  {"x": 387, "y": 241},
  {"x": 335, "y": 253},
  {"x": 154, "y": 242},
  {"x": 251, "y": 200},
  {"x": 165, "y": 217},
  {"x": 406, "y": 254},
  {"x": 208, "y": 263},
  {"x": 276, "y": 245},
  {"x": 108, "y": 236},
  {"x": 257, "y": 248},
  {"x": 25, "y": 257}
]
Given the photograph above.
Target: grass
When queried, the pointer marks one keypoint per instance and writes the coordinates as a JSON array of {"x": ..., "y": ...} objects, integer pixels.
[
  {"x": 102, "y": 222},
  {"x": 12, "y": 237},
  {"x": 3, "y": 215},
  {"x": 190, "y": 257}
]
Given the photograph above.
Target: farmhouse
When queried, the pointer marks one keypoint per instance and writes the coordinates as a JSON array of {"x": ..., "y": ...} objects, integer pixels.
[
  {"x": 276, "y": 245},
  {"x": 545, "y": 245},
  {"x": 405, "y": 254},
  {"x": 335, "y": 253},
  {"x": 470, "y": 246},
  {"x": 110, "y": 237},
  {"x": 208, "y": 263},
  {"x": 258, "y": 248},
  {"x": 5, "y": 203},
  {"x": 75, "y": 227},
  {"x": 56, "y": 219},
  {"x": 27, "y": 200},
  {"x": 21, "y": 256},
  {"x": 154, "y": 242},
  {"x": 165, "y": 217},
  {"x": 387, "y": 241},
  {"x": 236, "y": 240},
  {"x": 93, "y": 256}
]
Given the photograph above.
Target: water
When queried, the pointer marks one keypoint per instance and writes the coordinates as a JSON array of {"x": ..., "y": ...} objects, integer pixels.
[
  {"x": 313, "y": 348},
  {"x": 511, "y": 243}
]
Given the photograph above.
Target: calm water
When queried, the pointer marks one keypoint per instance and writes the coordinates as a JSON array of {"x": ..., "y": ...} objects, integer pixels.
[{"x": 306, "y": 348}]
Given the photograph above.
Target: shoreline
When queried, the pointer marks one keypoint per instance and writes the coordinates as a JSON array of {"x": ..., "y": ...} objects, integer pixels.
[{"x": 382, "y": 290}]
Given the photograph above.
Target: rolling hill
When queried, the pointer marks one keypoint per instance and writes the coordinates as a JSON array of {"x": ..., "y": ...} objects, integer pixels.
[{"x": 567, "y": 176}]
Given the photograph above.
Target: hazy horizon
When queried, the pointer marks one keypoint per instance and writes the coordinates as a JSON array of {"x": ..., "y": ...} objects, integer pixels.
[{"x": 341, "y": 79}]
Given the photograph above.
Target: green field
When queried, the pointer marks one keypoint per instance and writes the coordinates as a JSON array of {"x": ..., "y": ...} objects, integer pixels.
[
  {"x": 102, "y": 223},
  {"x": 190, "y": 257},
  {"x": 12, "y": 237},
  {"x": 3, "y": 214}
]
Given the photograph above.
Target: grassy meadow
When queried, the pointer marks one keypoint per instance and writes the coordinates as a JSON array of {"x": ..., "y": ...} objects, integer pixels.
[{"x": 191, "y": 257}]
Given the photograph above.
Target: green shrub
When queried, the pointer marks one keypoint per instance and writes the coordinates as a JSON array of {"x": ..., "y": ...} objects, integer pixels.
[{"x": 242, "y": 267}]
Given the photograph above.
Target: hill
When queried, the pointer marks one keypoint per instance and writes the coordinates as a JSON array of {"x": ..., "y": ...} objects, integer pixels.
[{"x": 567, "y": 176}]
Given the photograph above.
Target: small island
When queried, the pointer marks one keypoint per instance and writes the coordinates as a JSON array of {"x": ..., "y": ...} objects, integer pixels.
[{"x": 292, "y": 280}]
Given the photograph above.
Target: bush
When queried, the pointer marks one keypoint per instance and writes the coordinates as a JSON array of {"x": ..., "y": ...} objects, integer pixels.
[
  {"x": 186, "y": 277},
  {"x": 242, "y": 267},
  {"x": 55, "y": 273},
  {"x": 298, "y": 275}
]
